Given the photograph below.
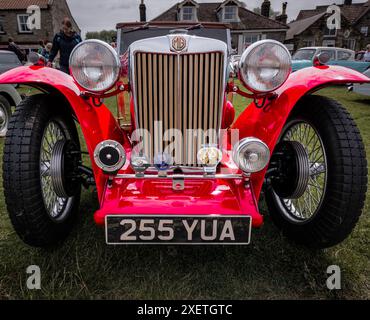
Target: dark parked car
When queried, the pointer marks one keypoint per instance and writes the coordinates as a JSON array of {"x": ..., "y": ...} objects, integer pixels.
[{"x": 8, "y": 61}]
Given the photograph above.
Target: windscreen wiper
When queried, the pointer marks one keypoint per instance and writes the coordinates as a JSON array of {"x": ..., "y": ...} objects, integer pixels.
[
  {"x": 143, "y": 27},
  {"x": 197, "y": 26}
]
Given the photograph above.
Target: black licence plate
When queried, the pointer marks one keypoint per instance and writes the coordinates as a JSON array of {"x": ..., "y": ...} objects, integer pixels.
[{"x": 178, "y": 230}]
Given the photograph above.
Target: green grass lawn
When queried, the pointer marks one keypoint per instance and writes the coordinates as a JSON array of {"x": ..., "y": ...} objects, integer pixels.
[{"x": 272, "y": 267}]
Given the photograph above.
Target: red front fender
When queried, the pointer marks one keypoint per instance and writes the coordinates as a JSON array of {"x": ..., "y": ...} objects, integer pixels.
[
  {"x": 97, "y": 123},
  {"x": 267, "y": 124}
]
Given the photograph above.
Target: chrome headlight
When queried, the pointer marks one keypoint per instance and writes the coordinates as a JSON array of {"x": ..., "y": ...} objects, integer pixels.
[
  {"x": 251, "y": 155},
  {"x": 265, "y": 66},
  {"x": 95, "y": 65}
]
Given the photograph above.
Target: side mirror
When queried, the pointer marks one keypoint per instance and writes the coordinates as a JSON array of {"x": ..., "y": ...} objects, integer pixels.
[
  {"x": 234, "y": 68},
  {"x": 321, "y": 59},
  {"x": 36, "y": 59}
]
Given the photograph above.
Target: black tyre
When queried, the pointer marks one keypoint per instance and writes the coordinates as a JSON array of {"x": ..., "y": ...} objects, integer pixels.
[
  {"x": 319, "y": 181},
  {"x": 41, "y": 158},
  {"x": 5, "y": 113}
]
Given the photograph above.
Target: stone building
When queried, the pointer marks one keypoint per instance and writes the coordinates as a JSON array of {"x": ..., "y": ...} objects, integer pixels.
[
  {"x": 14, "y": 16},
  {"x": 247, "y": 26},
  {"x": 310, "y": 27}
]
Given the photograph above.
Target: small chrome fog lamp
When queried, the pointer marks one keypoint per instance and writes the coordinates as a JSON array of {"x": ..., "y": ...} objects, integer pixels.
[
  {"x": 163, "y": 162},
  {"x": 110, "y": 156},
  {"x": 251, "y": 155},
  {"x": 209, "y": 157},
  {"x": 139, "y": 163}
]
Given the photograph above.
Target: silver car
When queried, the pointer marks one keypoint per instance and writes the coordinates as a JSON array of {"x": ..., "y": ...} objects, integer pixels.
[
  {"x": 8, "y": 61},
  {"x": 9, "y": 97},
  {"x": 8, "y": 94}
]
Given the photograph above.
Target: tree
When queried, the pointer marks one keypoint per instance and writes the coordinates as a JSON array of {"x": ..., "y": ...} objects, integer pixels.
[{"x": 104, "y": 35}]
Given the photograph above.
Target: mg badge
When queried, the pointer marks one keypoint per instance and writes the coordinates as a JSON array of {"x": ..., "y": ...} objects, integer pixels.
[{"x": 178, "y": 43}]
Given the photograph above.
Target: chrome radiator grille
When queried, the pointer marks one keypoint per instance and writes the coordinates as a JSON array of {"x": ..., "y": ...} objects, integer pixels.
[{"x": 181, "y": 92}]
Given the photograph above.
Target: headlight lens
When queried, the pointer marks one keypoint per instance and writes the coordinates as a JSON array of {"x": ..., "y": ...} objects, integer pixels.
[
  {"x": 265, "y": 66},
  {"x": 209, "y": 156},
  {"x": 95, "y": 65},
  {"x": 251, "y": 155}
]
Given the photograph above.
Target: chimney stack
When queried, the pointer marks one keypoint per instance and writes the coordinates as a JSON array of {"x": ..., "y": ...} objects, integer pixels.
[
  {"x": 142, "y": 9},
  {"x": 347, "y": 2},
  {"x": 283, "y": 17},
  {"x": 265, "y": 8}
]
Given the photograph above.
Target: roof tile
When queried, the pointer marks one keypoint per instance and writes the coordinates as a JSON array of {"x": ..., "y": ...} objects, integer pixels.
[
  {"x": 207, "y": 12},
  {"x": 352, "y": 12},
  {"x": 22, "y": 4}
]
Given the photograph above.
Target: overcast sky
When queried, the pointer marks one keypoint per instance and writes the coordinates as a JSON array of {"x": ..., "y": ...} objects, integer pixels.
[{"x": 96, "y": 15}]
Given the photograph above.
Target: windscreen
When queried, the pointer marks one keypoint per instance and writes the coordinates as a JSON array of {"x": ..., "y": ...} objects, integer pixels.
[{"x": 306, "y": 54}]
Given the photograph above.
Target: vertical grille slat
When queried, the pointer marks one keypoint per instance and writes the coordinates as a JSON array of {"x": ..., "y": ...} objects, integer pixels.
[
  {"x": 189, "y": 159},
  {"x": 211, "y": 95},
  {"x": 183, "y": 91}
]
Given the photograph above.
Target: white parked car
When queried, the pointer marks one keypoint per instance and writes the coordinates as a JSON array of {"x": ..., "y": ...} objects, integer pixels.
[{"x": 9, "y": 97}]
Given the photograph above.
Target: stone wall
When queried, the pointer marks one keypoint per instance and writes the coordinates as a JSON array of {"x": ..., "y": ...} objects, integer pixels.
[
  {"x": 364, "y": 22},
  {"x": 11, "y": 28},
  {"x": 59, "y": 11}
]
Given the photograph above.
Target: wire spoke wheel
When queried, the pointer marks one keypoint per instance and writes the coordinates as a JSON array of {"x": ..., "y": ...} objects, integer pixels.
[
  {"x": 40, "y": 214},
  {"x": 56, "y": 206},
  {"x": 317, "y": 187},
  {"x": 306, "y": 206}
]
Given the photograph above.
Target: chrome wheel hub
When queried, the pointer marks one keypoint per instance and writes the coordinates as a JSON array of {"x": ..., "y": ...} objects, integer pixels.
[
  {"x": 3, "y": 118},
  {"x": 301, "y": 204}
]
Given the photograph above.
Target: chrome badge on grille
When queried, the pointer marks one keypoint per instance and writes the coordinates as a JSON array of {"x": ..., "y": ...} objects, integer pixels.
[{"x": 178, "y": 43}]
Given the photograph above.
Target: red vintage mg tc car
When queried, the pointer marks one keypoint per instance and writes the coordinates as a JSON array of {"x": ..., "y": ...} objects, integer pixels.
[{"x": 184, "y": 171}]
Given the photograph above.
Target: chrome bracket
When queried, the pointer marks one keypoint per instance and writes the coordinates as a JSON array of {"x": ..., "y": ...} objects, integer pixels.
[{"x": 178, "y": 183}]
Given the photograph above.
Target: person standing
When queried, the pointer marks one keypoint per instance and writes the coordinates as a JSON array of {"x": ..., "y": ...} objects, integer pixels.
[
  {"x": 41, "y": 47},
  {"x": 64, "y": 42},
  {"x": 47, "y": 50},
  {"x": 366, "y": 57},
  {"x": 14, "y": 48}
]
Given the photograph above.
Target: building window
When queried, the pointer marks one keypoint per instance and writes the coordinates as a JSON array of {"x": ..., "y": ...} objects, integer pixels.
[
  {"x": 365, "y": 31},
  {"x": 188, "y": 13},
  {"x": 250, "y": 39},
  {"x": 22, "y": 23},
  {"x": 350, "y": 44},
  {"x": 230, "y": 13},
  {"x": 330, "y": 32},
  {"x": 2, "y": 29},
  {"x": 328, "y": 43},
  {"x": 308, "y": 43}
]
